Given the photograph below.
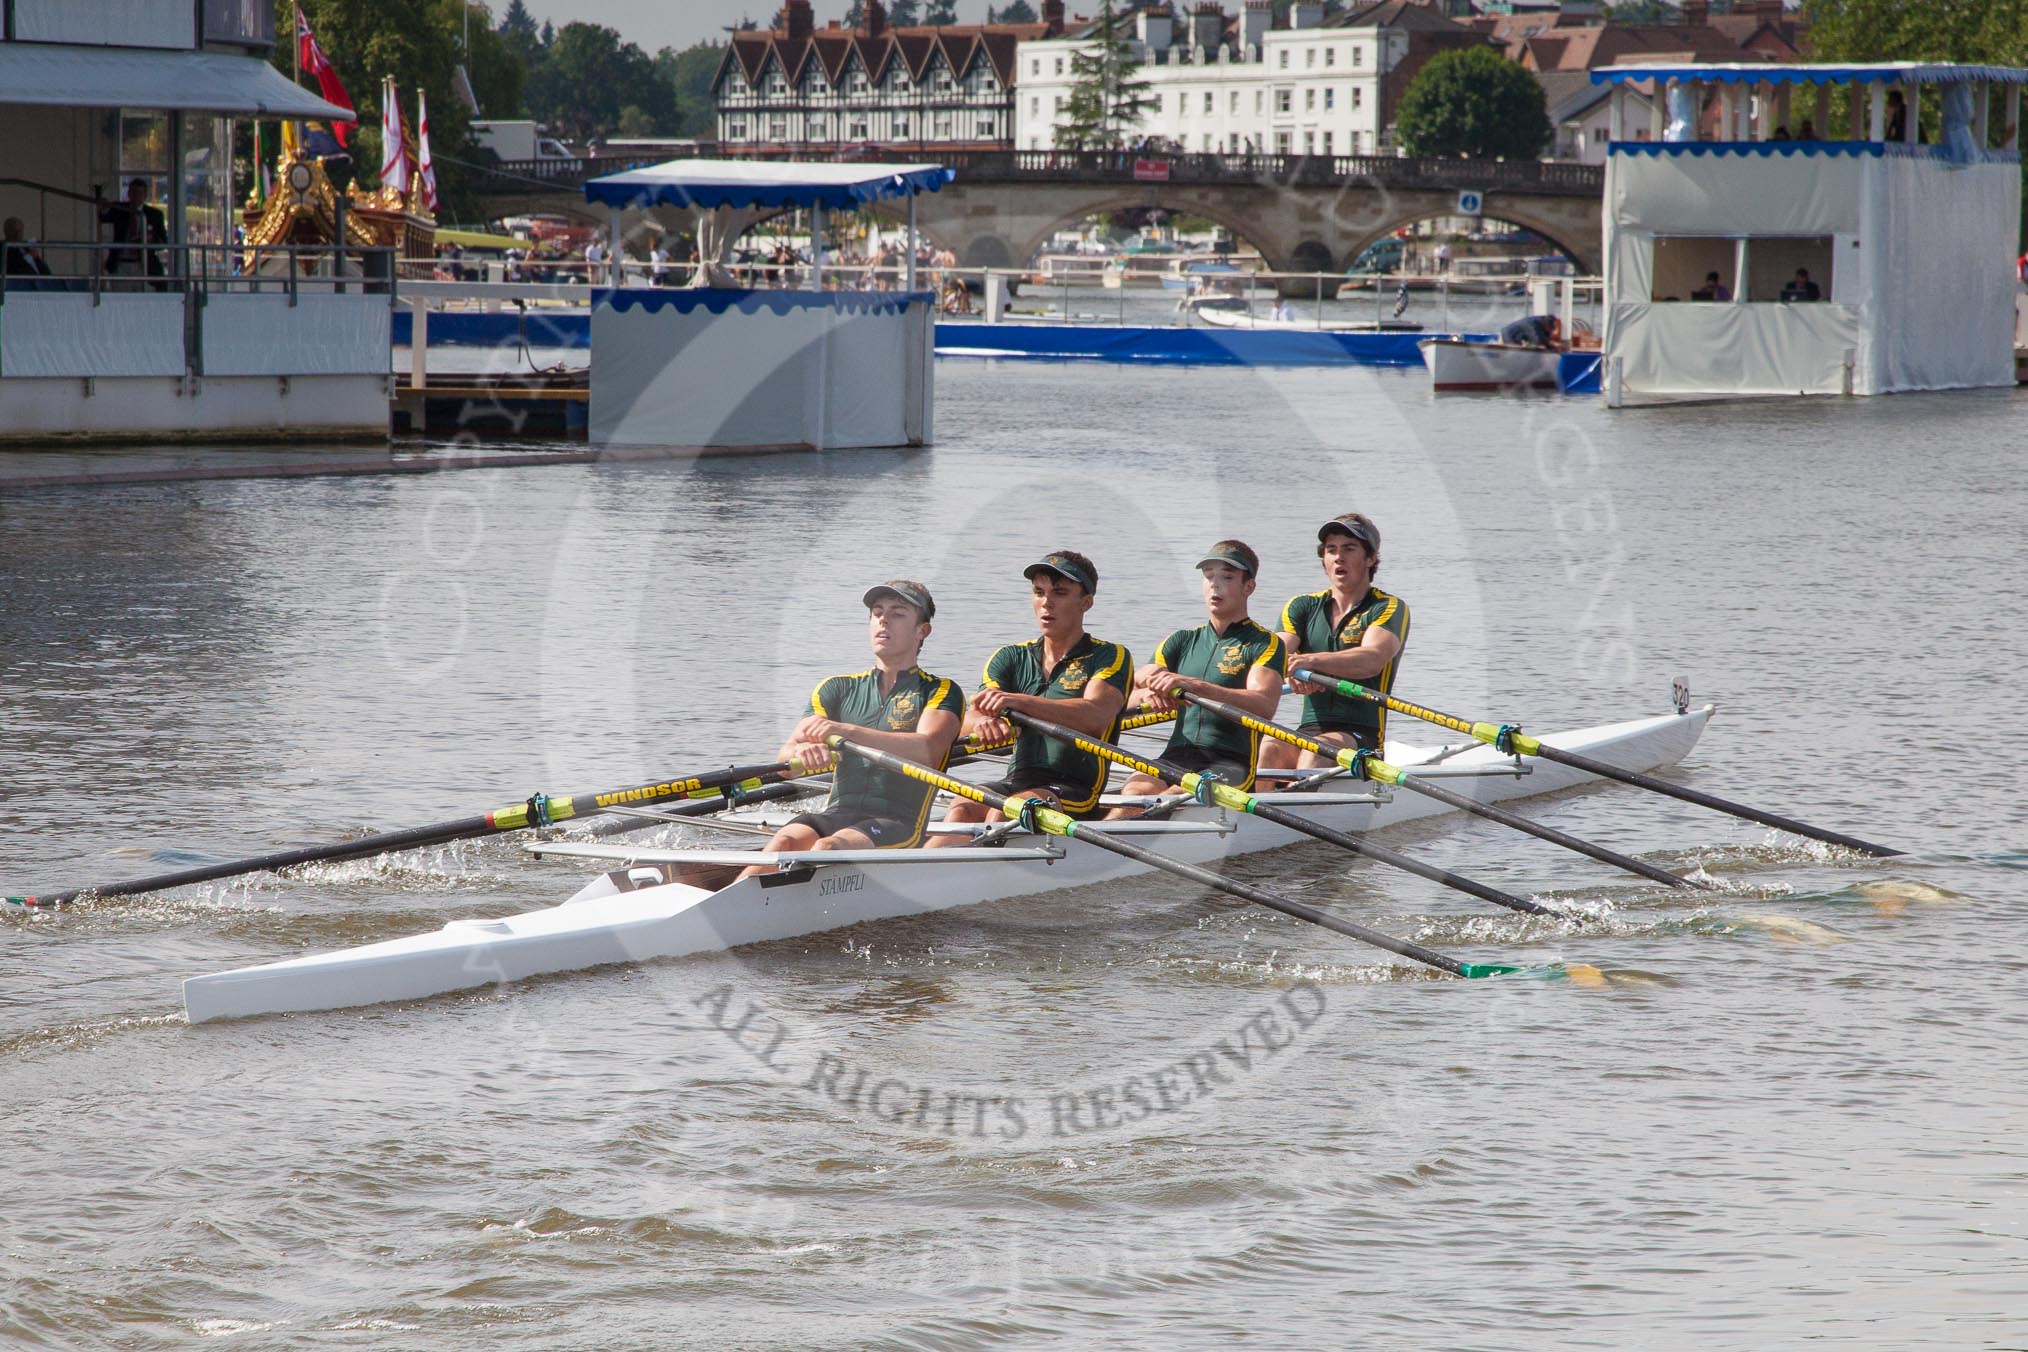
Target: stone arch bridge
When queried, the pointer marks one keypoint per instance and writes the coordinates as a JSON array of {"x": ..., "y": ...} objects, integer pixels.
[{"x": 1304, "y": 213}]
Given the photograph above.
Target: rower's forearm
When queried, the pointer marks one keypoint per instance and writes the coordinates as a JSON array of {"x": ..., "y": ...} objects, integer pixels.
[
  {"x": 920, "y": 747},
  {"x": 1352, "y": 664}
]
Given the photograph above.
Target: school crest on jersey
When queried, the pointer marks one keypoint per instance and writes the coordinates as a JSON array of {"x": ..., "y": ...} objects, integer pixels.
[
  {"x": 1231, "y": 660},
  {"x": 1074, "y": 676},
  {"x": 1352, "y": 629},
  {"x": 902, "y": 711}
]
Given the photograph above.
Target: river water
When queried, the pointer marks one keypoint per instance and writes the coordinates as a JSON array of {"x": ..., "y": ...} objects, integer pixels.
[{"x": 1803, "y": 1123}]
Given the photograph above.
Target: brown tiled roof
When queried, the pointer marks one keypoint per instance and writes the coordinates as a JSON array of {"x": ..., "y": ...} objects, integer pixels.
[
  {"x": 960, "y": 45},
  {"x": 1404, "y": 14}
]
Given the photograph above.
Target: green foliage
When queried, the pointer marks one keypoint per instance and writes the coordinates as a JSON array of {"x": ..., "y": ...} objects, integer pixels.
[
  {"x": 904, "y": 13},
  {"x": 940, "y": 12},
  {"x": 1106, "y": 97},
  {"x": 689, "y": 73},
  {"x": 1991, "y": 32},
  {"x": 587, "y": 75},
  {"x": 1472, "y": 103},
  {"x": 1014, "y": 11}
]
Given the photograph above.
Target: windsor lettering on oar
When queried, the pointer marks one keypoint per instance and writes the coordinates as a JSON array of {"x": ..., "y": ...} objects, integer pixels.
[
  {"x": 1371, "y": 767},
  {"x": 1213, "y": 793},
  {"x": 1051, "y": 822},
  {"x": 538, "y": 810},
  {"x": 1509, "y": 739}
]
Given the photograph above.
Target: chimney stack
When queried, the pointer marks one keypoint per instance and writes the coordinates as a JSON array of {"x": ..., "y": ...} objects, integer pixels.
[
  {"x": 1254, "y": 24},
  {"x": 1306, "y": 14},
  {"x": 1156, "y": 28},
  {"x": 1696, "y": 13},
  {"x": 875, "y": 18},
  {"x": 798, "y": 19},
  {"x": 1052, "y": 18},
  {"x": 1207, "y": 27}
]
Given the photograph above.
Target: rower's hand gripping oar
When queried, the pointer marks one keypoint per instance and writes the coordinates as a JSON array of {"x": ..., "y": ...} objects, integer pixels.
[
  {"x": 1510, "y": 740},
  {"x": 1212, "y": 793},
  {"x": 538, "y": 810},
  {"x": 1035, "y": 816},
  {"x": 1370, "y": 766}
]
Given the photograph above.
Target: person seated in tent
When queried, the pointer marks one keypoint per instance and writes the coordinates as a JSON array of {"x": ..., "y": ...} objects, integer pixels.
[
  {"x": 1802, "y": 288},
  {"x": 1544, "y": 331},
  {"x": 1713, "y": 289}
]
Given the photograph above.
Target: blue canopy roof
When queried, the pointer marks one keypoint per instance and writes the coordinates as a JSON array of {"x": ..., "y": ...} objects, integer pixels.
[
  {"x": 1754, "y": 72},
  {"x": 735, "y": 183}
]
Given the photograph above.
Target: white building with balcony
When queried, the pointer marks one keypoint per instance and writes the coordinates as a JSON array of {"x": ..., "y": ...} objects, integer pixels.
[
  {"x": 1317, "y": 87},
  {"x": 144, "y": 320}
]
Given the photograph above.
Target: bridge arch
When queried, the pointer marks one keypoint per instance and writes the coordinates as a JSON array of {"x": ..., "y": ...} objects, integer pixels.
[
  {"x": 1552, "y": 233},
  {"x": 1038, "y": 230}
]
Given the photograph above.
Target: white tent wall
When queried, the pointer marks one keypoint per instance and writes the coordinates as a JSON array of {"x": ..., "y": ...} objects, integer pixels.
[{"x": 1937, "y": 322}]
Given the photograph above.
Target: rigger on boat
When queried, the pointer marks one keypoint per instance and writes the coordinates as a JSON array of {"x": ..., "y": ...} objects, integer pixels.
[{"x": 882, "y": 741}]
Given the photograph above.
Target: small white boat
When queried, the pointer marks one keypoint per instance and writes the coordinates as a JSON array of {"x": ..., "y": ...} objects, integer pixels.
[
  {"x": 631, "y": 915},
  {"x": 1455, "y": 364},
  {"x": 1241, "y": 317}
]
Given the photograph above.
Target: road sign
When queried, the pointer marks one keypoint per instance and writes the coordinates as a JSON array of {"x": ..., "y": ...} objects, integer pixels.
[{"x": 1470, "y": 202}]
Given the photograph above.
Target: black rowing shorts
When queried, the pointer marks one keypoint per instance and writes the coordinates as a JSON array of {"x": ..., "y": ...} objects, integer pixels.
[
  {"x": 1039, "y": 781},
  {"x": 884, "y": 832},
  {"x": 1196, "y": 759},
  {"x": 1361, "y": 737}
]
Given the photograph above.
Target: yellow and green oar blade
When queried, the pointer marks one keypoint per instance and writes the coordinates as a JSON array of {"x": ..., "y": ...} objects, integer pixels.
[
  {"x": 1060, "y": 824},
  {"x": 1372, "y": 767},
  {"x": 1238, "y": 800},
  {"x": 538, "y": 810},
  {"x": 1510, "y": 739}
]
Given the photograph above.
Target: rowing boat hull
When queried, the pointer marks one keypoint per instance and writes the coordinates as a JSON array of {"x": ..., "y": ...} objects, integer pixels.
[
  {"x": 604, "y": 923},
  {"x": 1458, "y": 365}
]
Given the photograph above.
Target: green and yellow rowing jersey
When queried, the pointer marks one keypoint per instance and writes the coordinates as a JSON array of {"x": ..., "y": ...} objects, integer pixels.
[
  {"x": 859, "y": 787},
  {"x": 1309, "y": 618},
  {"x": 1226, "y": 660},
  {"x": 1018, "y": 669}
]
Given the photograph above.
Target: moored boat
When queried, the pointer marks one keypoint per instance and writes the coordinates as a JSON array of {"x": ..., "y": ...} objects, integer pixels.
[
  {"x": 629, "y": 914},
  {"x": 1242, "y": 317},
  {"x": 1457, "y": 364}
]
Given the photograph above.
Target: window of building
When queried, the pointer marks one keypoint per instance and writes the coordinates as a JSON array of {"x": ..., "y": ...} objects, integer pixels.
[
  {"x": 856, "y": 129},
  {"x": 1358, "y": 56},
  {"x": 735, "y": 131},
  {"x": 1035, "y": 105},
  {"x": 1281, "y": 143},
  {"x": 1327, "y": 143},
  {"x": 1258, "y": 102},
  {"x": 1769, "y": 274},
  {"x": 1059, "y": 103},
  {"x": 901, "y": 129},
  {"x": 1232, "y": 142},
  {"x": 1059, "y": 65},
  {"x": 1309, "y": 143},
  {"x": 985, "y": 127},
  {"x": 1283, "y": 101},
  {"x": 943, "y": 131},
  {"x": 1233, "y": 106},
  {"x": 1358, "y": 96},
  {"x": 820, "y": 130},
  {"x": 1330, "y": 99},
  {"x": 1309, "y": 100},
  {"x": 778, "y": 129},
  {"x": 1154, "y": 104},
  {"x": 1035, "y": 67},
  {"x": 1330, "y": 56},
  {"x": 1285, "y": 58},
  {"x": 1310, "y": 57},
  {"x": 1207, "y": 103}
]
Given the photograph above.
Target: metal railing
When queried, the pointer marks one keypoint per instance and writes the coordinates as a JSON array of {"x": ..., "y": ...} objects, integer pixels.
[
  {"x": 1095, "y": 166},
  {"x": 100, "y": 269}
]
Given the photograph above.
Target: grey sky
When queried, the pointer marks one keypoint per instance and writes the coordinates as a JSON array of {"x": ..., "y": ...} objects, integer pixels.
[{"x": 653, "y": 24}]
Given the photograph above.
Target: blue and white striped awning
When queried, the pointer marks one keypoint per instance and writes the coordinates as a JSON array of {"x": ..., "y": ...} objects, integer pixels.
[
  {"x": 733, "y": 183},
  {"x": 1769, "y": 72}
]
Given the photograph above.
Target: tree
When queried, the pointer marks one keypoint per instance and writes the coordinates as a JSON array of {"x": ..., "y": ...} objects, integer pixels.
[
  {"x": 688, "y": 73},
  {"x": 904, "y": 13},
  {"x": 1106, "y": 97},
  {"x": 1472, "y": 103},
  {"x": 940, "y": 12},
  {"x": 1015, "y": 11},
  {"x": 588, "y": 75}
]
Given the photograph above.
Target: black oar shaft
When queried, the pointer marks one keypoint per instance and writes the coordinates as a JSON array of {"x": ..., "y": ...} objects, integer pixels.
[
  {"x": 1268, "y": 812},
  {"x": 1060, "y": 824},
  {"x": 1509, "y": 738},
  {"x": 1549, "y": 833},
  {"x": 1406, "y": 779},
  {"x": 1717, "y": 804},
  {"x": 513, "y": 818}
]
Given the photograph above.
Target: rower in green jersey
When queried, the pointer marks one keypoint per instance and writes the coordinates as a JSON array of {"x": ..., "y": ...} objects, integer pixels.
[
  {"x": 1065, "y": 676},
  {"x": 1230, "y": 659},
  {"x": 1350, "y": 630},
  {"x": 895, "y": 707}
]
